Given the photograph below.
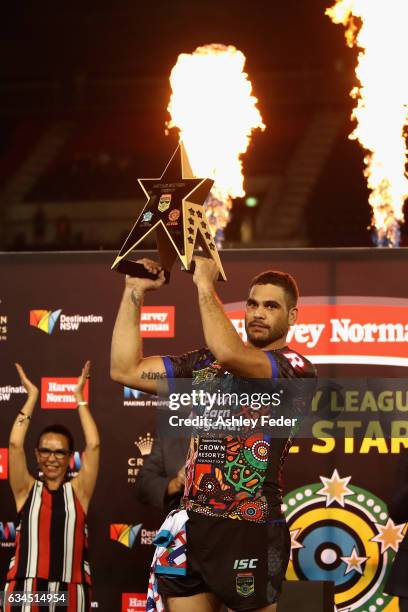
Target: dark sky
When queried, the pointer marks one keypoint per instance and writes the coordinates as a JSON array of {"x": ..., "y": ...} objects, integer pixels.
[{"x": 51, "y": 39}]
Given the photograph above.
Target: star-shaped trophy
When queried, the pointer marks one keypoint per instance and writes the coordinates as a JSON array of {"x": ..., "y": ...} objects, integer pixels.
[{"x": 175, "y": 212}]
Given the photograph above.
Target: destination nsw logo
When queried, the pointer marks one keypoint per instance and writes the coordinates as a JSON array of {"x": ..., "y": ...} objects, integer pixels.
[
  {"x": 46, "y": 320},
  {"x": 59, "y": 392},
  {"x": 124, "y": 534},
  {"x": 342, "y": 329}
]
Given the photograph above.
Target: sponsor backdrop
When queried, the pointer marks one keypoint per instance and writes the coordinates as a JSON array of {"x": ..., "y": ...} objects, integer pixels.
[{"x": 57, "y": 310}]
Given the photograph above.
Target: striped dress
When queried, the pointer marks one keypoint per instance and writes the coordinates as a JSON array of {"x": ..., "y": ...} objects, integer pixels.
[{"x": 51, "y": 545}]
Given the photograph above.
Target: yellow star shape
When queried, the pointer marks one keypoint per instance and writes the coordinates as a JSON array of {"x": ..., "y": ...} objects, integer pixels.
[
  {"x": 335, "y": 488},
  {"x": 354, "y": 562},
  {"x": 389, "y": 535}
]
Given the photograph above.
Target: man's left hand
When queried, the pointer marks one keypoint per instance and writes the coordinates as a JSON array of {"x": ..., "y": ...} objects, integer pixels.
[{"x": 206, "y": 272}]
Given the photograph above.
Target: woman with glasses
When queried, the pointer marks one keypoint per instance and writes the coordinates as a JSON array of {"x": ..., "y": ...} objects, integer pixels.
[{"x": 50, "y": 564}]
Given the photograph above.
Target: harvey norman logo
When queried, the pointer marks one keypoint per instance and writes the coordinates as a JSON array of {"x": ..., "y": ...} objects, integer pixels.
[
  {"x": 134, "y": 602},
  {"x": 356, "y": 330},
  {"x": 3, "y": 463},
  {"x": 59, "y": 392},
  {"x": 157, "y": 322},
  {"x": 47, "y": 320}
]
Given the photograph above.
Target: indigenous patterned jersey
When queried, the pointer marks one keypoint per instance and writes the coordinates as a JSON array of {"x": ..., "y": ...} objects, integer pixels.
[
  {"x": 51, "y": 537},
  {"x": 239, "y": 475}
]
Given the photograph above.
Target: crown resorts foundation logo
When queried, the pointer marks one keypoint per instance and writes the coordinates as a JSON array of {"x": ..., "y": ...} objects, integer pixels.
[
  {"x": 342, "y": 533},
  {"x": 46, "y": 320},
  {"x": 124, "y": 534},
  {"x": 144, "y": 444}
]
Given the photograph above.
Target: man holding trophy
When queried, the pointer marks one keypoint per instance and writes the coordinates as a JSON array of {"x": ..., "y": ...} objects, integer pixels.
[{"x": 233, "y": 541}]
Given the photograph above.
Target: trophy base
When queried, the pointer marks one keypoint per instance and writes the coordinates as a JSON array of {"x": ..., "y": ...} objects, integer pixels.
[{"x": 132, "y": 268}]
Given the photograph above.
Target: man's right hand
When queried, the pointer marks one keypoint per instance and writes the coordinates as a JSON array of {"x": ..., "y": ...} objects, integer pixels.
[
  {"x": 147, "y": 284},
  {"x": 176, "y": 484}
]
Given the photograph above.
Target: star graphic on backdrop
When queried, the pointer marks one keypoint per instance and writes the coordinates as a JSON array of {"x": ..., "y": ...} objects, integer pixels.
[
  {"x": 293, "y": 541},
  {"x": 335, "y": 488},
  {"x": 354, "y": 562},
  {"x": 389, "y": 535}
]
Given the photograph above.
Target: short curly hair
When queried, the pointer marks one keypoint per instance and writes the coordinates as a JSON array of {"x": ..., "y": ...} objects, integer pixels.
[{"x": 280, "y": 279}]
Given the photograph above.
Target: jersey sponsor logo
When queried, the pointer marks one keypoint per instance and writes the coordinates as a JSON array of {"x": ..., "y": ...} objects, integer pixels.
[
  {"x": 124, "y": 534},
  {"x": 3, "y": 463},
  {"x": 245, "y": 584},
  {"x": 59, "y": 393},
  {"x": 245, "y": 563},
  {"x": 295, "y": 360},
  {"x": 7, "y": 535},
  {"x": 341, "y": 329},
  {"x": 46, "y": 320},
  {"x": 157, "y": 322},
  {"x": 134, "y": 602}
]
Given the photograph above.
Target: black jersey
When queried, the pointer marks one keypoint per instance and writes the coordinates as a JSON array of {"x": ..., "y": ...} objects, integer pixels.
[{"x": 237, "y": 476}]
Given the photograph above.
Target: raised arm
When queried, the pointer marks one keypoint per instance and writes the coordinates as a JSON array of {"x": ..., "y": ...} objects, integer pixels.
[
  {"x": 84, "y": 483},
  {"x": 20, "y": 479},
  {"x": 220, "y": 335},
  {"x": 128, "y": 366}
]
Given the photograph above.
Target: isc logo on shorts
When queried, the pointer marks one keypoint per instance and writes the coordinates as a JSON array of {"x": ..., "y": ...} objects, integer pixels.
[{"x": 245, "y": 563}]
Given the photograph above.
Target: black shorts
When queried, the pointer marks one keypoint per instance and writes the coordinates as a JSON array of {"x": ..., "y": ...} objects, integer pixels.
[{"x": 242, "y": 563}]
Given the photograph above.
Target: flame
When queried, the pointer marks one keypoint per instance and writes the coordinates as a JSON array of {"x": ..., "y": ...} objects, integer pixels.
[
  {"x": 213, "y": 107},
  {"x": 378, "y": 29}
]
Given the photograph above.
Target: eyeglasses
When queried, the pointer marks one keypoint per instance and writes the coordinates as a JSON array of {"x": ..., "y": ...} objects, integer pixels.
[{"x": 59, "y": 453}]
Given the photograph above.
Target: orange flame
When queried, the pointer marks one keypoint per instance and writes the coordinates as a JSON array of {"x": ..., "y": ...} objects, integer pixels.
[
  {"x": 378, "y": 29},
  {"x": 213, "y": 107}
]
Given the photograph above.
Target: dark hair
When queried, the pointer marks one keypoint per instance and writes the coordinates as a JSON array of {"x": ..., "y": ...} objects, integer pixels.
[
  {"x": 58, "y": 429},
  {"x": 280, "y": 279}
]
